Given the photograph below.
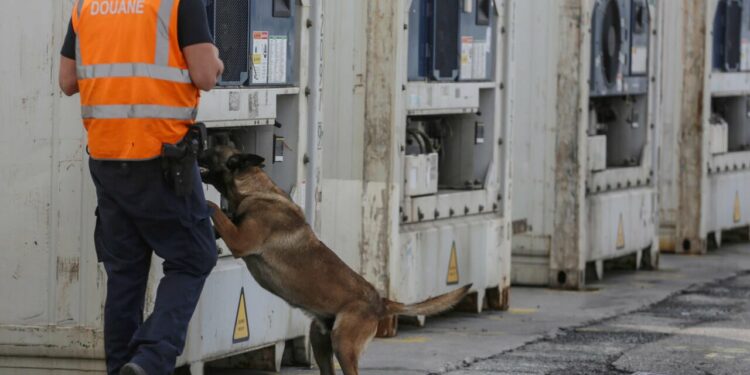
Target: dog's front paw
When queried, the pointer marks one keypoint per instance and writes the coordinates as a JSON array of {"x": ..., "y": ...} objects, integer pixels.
[{"x": 213, "y": 206}]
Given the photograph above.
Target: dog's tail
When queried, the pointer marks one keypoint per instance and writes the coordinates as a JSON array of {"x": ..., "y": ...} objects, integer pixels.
[{"x": 432, "y": 306}]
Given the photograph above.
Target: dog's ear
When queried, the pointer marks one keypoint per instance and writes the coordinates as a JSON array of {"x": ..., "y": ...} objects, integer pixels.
[
  {"x": 254, "y": 160},
  {"x": 240, "y": 162}
]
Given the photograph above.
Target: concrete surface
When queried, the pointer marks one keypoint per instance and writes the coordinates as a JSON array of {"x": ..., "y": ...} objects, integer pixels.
[{"x": 677, "y": 320}]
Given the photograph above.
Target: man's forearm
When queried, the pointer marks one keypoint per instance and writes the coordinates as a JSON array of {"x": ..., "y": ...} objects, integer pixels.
[{"x": 68, "y": 77}]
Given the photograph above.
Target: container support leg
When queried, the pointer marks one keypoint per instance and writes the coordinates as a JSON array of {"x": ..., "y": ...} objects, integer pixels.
[
  {"x": 599, "y": 265},
  {"x": 196, "y": 368}
]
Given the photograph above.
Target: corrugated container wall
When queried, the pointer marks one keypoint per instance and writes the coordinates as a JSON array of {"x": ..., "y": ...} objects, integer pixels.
[
  {"x": 344, "y": 69},
  {"x": 534, "y": 100},
  {"x": 49, "y": 280}
]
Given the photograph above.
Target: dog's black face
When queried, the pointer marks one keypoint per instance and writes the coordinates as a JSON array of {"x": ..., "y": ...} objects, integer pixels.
[{"x": 220, "y": 164}]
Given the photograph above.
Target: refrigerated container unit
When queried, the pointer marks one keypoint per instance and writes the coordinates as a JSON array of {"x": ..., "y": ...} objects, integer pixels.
[
  {"x": 256, "y": 40},
  {"x": 708, "y": 195},
  {"x": 424, "y": 197},
  {"x": 586, "y": 191}
]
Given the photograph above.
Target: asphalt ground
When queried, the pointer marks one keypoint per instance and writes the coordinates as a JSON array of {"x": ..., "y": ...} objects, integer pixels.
[
  {"x": 701, "y": 330},
  {"x": 689, "y": 317}
]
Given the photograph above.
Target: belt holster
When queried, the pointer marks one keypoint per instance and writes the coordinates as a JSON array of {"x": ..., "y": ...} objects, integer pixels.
[{"x": 179, "y": 160}]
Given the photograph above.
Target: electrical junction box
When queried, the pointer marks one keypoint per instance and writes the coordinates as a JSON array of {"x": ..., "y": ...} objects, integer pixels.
[
  {"x": 278, "y": 149},
  {"x": 727, "y": 35},
  {"x": 256, "y": 41},
  {"x": 420, "y": 174},
  {"x": 477, "y": 25},
  {"x": 623, "y": 121},
  {"x": 464, "y": 158},
  {"x": 597, "y": 153},
  {"x": 735, "y": 111},
  {"x": 620, "y": 47},
  {"x": 434, "y": 52},
  {"x": 272, "y": 44},
  {"x": 718, "y": 133}
]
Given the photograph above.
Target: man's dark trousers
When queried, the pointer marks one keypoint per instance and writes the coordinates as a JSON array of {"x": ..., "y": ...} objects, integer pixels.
[{"x": 139, "y": 213}]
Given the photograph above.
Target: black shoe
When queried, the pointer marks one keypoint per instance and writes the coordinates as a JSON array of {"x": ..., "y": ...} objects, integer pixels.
[{"x": 132, "y": 369}]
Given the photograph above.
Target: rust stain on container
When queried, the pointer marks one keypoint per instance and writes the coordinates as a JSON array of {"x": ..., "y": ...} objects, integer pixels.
[
  {"x": 690, "y": 141},
  {"x": 568, "y": 170},
  {"x": 380, "y": 112},
  {"x": 68, "y": 269}
]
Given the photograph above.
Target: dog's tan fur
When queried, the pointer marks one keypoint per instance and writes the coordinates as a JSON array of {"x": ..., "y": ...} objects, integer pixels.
[{"x": 283, "y": 254}]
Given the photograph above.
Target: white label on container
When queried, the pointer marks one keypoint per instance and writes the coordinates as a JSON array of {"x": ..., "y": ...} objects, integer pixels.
[
  {"x": 260, "y": 57},
  {"x": 479, "y": 60},
  {"x": 253, "y": 105},
  {"x": 467, "y": 43},
  {"x": 433, "y": 160},
  {"x": 413, "y": 178},
  {"x": 639, "y": 60},
  {"x": 277, "y": 59},
  {"x": 414, "y": 100},
  {"x": 234, "y": 101}
]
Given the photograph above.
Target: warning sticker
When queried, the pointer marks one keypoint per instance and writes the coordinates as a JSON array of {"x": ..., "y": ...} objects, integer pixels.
[
  {"x": 737, "y": 209},
  {"x": 620, "y": 235},
  {"x": 260, "y": 57},
  {"x": 277, "y": 59},
  {"x": 467, "y": 55},
  {"x": 241, "y": 326},
  {"x": 453, "y": 266}
]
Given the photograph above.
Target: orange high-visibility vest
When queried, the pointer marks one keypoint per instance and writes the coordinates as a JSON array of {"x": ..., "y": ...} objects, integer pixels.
[{"x": 136, "y": 92}]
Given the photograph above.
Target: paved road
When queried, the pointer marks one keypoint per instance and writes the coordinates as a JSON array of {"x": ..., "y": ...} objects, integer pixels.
[
  {"x": 702, "y": 330},
  {"x": 690, "y": 317}
]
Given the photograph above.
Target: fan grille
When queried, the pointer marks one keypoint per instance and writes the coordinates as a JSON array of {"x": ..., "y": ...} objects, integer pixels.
[
  {"x": 232, "y": 28},
  {"x": 611, "y": 42}
]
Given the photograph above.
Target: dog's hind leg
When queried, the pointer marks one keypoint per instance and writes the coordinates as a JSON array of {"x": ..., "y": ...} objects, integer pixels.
[
  {"x": 322, "y": 348},
  {"x": 353, "y": 330}
]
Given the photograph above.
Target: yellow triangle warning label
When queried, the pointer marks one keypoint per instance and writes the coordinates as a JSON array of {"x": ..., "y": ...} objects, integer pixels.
[
  {"x": 620, "y": 235},
  {"x": 241, "y": 326},
  {"x": 737, "y": 210},
  {"x": 453, "y": 266}
]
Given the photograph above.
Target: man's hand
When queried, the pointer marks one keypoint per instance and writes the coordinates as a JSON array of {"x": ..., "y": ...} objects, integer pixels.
[
  {"x": 204, "y": 65},
  {"x": 68, "y": 78},
  {"x": 221, "y": 63}
]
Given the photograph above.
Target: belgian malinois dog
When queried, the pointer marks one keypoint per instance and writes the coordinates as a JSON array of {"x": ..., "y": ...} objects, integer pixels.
[{"x": 269, "y": 233}]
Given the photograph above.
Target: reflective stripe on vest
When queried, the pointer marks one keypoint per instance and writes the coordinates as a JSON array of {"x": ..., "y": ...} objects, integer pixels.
[
  {"x": 138, "y": 112},
  {"x": 162, "y": 32},
  {"x": 165, "y": 73}
]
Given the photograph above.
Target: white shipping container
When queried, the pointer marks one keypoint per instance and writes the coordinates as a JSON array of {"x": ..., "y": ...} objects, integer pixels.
[
  {"x": 48, "y": 268},
  {"x": 575, "y": 203},
  {"x": 705, "y": 183},
  {"x": 408, "y": 242}
]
